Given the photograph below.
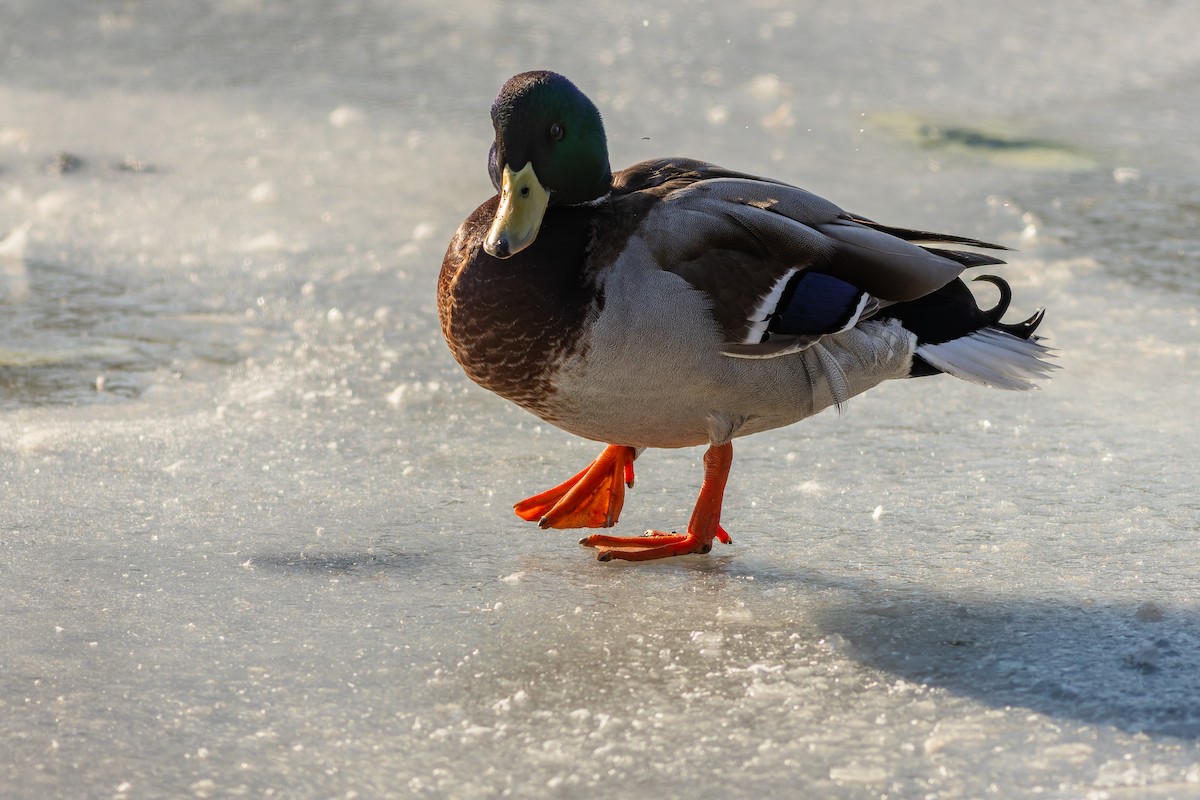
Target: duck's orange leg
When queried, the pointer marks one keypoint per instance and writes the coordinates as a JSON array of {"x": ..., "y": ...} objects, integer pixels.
[
  {"x": 591, "y": 499},
  {"x": 704, "y": 526}
]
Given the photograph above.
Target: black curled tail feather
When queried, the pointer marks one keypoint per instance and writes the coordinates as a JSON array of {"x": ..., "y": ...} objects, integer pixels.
[
  {"x": 1024, "y": 329},
  {"x": 956, "y": 336}
]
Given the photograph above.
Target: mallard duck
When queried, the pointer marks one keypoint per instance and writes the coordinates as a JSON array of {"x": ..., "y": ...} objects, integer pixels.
[{"x": 676, "y": 303}]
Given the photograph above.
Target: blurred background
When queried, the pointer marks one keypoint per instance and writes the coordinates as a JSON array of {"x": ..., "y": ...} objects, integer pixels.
[{"x": 255, "y": 529}]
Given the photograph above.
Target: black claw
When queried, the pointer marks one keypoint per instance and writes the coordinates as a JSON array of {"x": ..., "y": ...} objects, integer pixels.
[
  {"x": 605, "y": 555},
  {"x": 583, "y": 541}
]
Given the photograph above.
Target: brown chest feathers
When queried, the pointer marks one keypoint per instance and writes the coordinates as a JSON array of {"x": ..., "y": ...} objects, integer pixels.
[{"x": 510, "y": 323}]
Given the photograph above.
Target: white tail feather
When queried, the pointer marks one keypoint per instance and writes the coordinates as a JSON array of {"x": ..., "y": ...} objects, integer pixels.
[{"x": 992, "y": 358}]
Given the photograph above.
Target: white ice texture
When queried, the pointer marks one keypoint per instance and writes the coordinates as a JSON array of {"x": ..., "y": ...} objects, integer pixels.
[{"x": 255, "y": 531}]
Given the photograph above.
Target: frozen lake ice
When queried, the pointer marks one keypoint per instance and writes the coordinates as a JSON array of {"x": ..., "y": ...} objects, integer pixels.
[{"x": 256, "y": 537}]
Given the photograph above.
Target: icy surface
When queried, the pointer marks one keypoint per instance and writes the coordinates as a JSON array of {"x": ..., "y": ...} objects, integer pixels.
[{"x": 256, "y": 538}]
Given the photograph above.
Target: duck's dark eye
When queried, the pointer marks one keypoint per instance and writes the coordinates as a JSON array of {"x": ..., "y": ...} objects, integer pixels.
[
  {"x": 556, "y": 132},
  {"x": 524, "y": 191}
]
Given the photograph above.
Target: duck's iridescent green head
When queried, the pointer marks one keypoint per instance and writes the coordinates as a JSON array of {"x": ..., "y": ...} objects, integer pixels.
[{"x": 550, "y": 149}]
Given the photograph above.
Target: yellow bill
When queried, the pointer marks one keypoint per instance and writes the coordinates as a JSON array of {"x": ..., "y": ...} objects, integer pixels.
[{"x": 523, "y": 203}]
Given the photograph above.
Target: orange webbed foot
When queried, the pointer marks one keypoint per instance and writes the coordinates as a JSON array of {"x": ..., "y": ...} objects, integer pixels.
[
  {"x": 704, "y": 526},
  {"x": 591, "y": 499},
  {"x": 651, "y": 545}
]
